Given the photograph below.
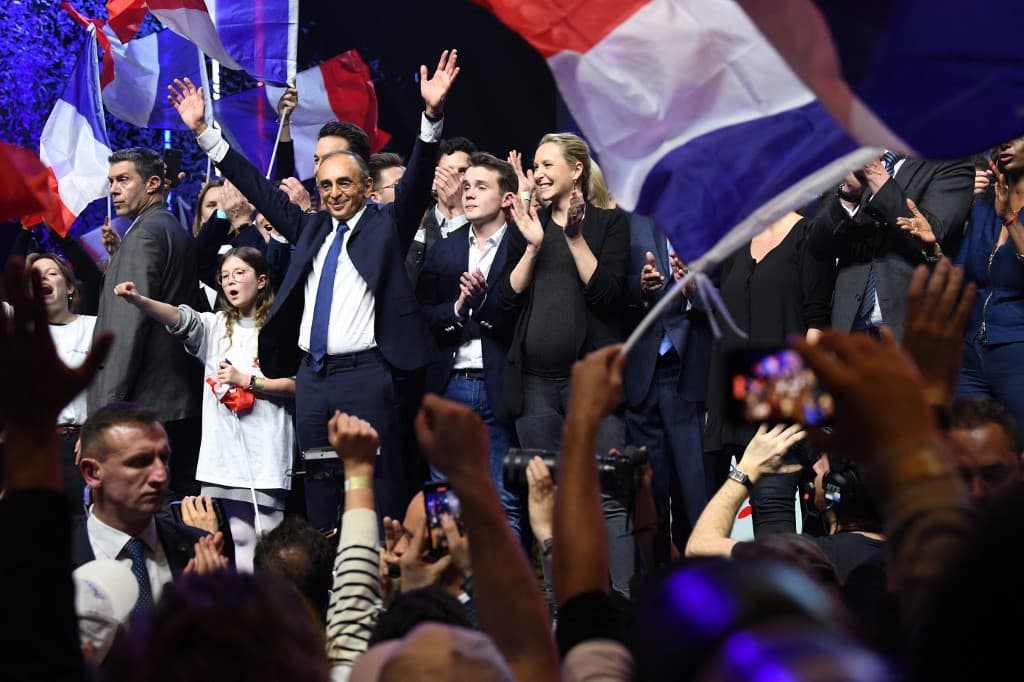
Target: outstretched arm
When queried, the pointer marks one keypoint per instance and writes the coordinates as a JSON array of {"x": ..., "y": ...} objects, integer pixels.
[{"x": 164, "y": 313}]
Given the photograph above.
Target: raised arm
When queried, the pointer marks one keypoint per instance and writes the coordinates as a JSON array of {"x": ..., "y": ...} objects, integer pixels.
[
  {"x": 506, "y": 594},
  {"x": 164, "y": 313}
]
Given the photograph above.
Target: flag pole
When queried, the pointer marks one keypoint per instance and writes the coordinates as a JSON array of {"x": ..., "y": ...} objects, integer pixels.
[
  {"x": 208, "y": 97},
  {"x": 293, "y": 39}
]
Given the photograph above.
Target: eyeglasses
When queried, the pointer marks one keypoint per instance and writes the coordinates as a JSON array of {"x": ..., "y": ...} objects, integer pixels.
[{"x": 237, "y": 275}]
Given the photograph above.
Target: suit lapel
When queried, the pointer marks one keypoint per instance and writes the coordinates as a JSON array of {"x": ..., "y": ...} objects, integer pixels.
[{"x": 498, "y": 265}]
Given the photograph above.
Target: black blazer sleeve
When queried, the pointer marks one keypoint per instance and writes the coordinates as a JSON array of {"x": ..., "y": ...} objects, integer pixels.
[
  {"x": 817, "y": 279},
  {"x": 268, "y": 199},
  {"x": 606, "y": 287},
  {"x": 284, "y": 166},
  {"x": 213, "y": 234}
]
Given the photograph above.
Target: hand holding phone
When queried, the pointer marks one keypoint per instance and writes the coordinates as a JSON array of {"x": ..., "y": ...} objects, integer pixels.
[
  {"x": 773, "y": 385},
  {"x": 438, "y": 500}
]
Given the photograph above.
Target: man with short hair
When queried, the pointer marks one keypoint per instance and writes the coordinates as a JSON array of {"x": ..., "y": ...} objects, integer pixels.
[
  {"x": 147, "y": 365},
  {"x": 301, "y": 555},
  {"x": 471, "y": 330},
  {"x": 345, "y": 319},
  {"x": 447, "y": 213},
  {"x": 987, "y": 446},
  {"x": 386, "y": 169},
  {"x": 124, "y": 462}
]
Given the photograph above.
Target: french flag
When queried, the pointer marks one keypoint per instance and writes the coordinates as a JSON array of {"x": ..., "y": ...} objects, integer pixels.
[
  {"x": 256, "y": 36},
  {"x": 142, "y": 69},
  {"x": 74, "y": 144},
  {"x": 338, "y": 89},
  {"x": 704, "y": 124}
]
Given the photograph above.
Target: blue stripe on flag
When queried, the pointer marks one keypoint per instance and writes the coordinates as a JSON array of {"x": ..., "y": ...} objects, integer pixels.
[
  {"x": 83, "y": 90},
  {"x": 702, "y": 189},
  {"x": 255, "y": 33},
  {"x": 178, "y": 58}
]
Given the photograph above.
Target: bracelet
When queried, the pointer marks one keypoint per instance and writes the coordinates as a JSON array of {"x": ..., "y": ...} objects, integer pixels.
[
  {"x": 431, "y": 118},
  {"x": 252, "y": 382},
  {"x": 261, "y": 384},
  {"x": 359, "y": 483}
]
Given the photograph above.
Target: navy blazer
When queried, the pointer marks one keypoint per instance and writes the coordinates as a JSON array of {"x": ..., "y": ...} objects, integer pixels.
[
  {"x": 377, "y": 247},
  {"x": 177, "y": 540},
  {"x": 437, "y": 291},
  {"x": 688, "y": 331}
]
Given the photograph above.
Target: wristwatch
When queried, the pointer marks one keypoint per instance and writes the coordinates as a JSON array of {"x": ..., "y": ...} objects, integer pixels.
[{"x": 740, "y": 477}]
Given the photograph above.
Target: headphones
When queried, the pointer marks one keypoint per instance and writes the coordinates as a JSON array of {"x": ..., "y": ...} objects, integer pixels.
[{"x": 843, "y": 487}]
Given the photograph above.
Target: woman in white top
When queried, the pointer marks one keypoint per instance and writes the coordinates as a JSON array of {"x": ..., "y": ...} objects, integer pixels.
[
  {"x": 245, "y": 458},
  {"x": 72, "y": 335}
]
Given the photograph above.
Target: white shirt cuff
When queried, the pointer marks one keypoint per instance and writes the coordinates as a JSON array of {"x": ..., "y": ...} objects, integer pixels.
[
  {"x": 213, "y": 143},
  {"x": 430, "y": 131}
]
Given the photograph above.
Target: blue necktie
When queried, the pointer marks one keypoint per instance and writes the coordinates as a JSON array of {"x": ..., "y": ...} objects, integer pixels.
[
  {"x": 666, "y": 342},
  {"x": 324, "y": 297},
  {"x": 867, "y": 303},
  {"x": 136, "y": 551}
]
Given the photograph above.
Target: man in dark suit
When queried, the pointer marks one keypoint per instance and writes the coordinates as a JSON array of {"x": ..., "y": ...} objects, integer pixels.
[
  {"x": 147, "y": 365},
  {"x": 471, "y": 330},
  {"x": 876, "y": 257},
  {"x": 665, "y": 382},
  {"x": 345, "y": 317},
  {"x": 124, "y": 463}
]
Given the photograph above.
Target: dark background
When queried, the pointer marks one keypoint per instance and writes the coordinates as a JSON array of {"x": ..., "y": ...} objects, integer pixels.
[{"x": 504, "y": 98}]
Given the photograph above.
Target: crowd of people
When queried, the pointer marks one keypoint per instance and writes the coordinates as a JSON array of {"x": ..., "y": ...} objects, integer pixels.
[{"x": 386, "y": 429}]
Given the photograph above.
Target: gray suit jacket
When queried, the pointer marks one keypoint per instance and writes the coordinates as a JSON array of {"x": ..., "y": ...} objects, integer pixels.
[
  {"x": 147, "y": 365},
  {"x": 943, "y": 192}
]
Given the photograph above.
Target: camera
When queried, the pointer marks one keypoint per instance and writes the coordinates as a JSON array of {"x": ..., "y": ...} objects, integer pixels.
[{"x": 619, "y": 474}]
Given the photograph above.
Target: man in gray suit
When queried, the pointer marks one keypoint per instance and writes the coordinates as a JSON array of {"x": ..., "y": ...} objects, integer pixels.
[
  {"x": 146, "y": 364},
  {"x": 877, "y": 258}
]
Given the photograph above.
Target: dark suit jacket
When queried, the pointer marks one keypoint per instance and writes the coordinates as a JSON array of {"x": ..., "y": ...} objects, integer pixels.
[
  {"x": 418, "y": 250},
  {"x": 437, "y": 291},
  {"x": 943, "y": 192},
  {"x": 146, "y": 364},
  {"x": 598, "y": 321},
  {"x": 688, "y": 331},
  {"x": 377, "y": 247},
  {"x": 176, "y": 539}
]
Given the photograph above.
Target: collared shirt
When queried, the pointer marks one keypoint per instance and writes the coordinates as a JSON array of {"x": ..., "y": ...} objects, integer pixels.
[
  {"x": 446, "y": 226},
  {"x": 108, "y": 543},
  {"x": 471, "y": 354},
  {"x": 352, "y": 308},
  {"x": 876, "y": 313}
]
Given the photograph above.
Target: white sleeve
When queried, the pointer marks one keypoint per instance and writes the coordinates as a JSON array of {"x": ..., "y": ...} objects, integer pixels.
[{"x": 355, "y": 593}]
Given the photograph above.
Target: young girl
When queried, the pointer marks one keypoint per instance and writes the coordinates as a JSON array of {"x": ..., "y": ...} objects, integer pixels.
[{"x": 245, "y": 459}]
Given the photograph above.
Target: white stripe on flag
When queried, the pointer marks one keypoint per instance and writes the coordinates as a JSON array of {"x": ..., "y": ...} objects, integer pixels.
[
  {"x": 663, "y": 77},
  {"x": 78, "y": 159}
]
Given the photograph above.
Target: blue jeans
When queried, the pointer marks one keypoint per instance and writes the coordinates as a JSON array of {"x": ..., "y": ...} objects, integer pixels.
[
  {"x": 473, "y": 394},
  {"x": 995, "y": 371}
]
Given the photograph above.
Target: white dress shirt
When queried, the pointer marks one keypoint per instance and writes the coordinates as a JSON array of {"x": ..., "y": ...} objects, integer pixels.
[
  {"x": 471, "y": 354},
  {"x": 108, "y": 543}
]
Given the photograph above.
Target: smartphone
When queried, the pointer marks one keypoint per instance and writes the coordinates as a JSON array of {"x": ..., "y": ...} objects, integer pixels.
[
  {"x": 218, "y": 509},
  {"x": 172, "y": 166},
  {"x": 440, "y": 499},
  {"x": 773, "y": 385}
]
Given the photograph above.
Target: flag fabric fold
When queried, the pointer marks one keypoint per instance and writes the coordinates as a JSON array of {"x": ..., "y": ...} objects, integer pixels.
[
  {"x": 696, "y": 119},
  {"x": 142, "y": 70},
  {"x": 338, "y": 89},
  {"x": 25, "y": 192},
  {"x": 191, "y": 19},
  {"x": 74, "y": 144}
]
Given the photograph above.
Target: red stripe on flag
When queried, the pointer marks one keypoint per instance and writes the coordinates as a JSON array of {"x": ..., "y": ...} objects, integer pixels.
[
  {"x": 558, "y": 25},
  {"x": 351, "y": 94},
  {"x": 26, "y": 187},
  {"x": 107, "y": 70},
  {"x": 178, "y": 4},
  {"x": 125, "y": 17}
]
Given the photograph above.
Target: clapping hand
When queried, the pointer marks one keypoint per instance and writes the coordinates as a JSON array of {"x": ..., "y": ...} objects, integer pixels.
[
  {"x": 916, "y": 225},
  {"x": 526, "y": 182},
  {"x": 473, "y": 289},
  {"x": 525, "y": 218},
  {"x": 651, "y": 280}
]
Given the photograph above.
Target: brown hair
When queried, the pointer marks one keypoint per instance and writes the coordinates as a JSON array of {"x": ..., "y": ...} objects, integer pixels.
[
  {"x": 264, "y": 297},
  {"x": 197, "y": 222},
  {"x": 75, "y": 297}
]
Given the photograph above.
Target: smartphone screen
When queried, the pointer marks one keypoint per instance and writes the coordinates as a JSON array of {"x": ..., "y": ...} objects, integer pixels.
[
  {"x": 440, "y": 499},
  {"x": 172, "y": 165},
  {"x": 773, "y": 385}
]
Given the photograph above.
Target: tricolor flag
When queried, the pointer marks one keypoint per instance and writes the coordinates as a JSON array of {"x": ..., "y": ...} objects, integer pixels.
[
  {"x": 74, "y": 144},
  {"x": 142, "y": 70},
  {"x": 25, "y": 190},
  {"x": 700, "y": 122},
  {"x": 339, "y": 89},
  {"x": 256, "y": 36}
]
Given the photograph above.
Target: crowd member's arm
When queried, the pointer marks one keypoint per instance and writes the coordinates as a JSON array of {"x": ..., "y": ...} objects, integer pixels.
[
  {"x": 884, "y": 420},
  {"x": 764, "y": 455},
  {"x": 945, "y": 203},
  {"x": 35, "y": 529},
  {"x": 590, "y": 629},
  {"x": 540, "y": 505},
  {"x": 236, "y": 213},
  {"x": 508, "y": 602},
  {"x": 355, "y": 599}
]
